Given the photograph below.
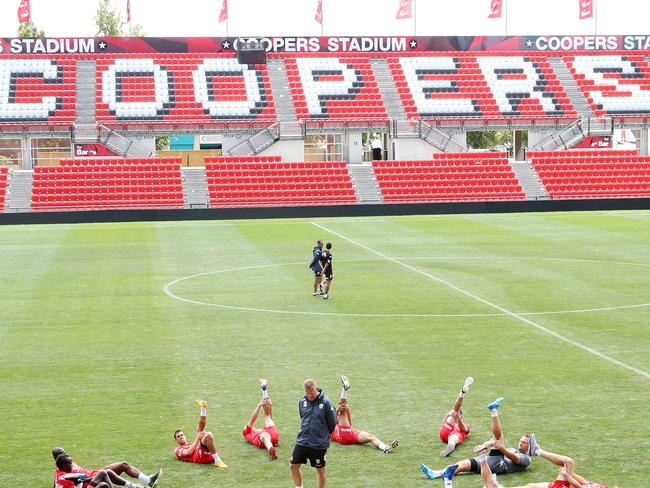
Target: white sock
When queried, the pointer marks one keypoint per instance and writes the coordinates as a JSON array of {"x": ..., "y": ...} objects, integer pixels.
[
  {"x": 382, "y": 446},
  {"x": 344, "y": 394},
  {"x": 448, "y": 483},
  {"x": 130, "y": 485},
  {"x": 265, "y": 395},
  {"x": 461, "y": 394},
  {"x": 541, "y": 451},
  {"x": 482, "y": 457},
  {"x": 216, "y": 457},
  {"x": 143, "y": 477},
  {"x": 298, "y": 486},
  {"x": 494, "y": 412},
  {"x": 203, "y": 412},
  {"x": 451, "y": 444}
]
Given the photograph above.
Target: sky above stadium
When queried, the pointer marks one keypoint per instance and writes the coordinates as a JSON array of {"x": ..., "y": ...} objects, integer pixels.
[{"x": 160, "y": 18}]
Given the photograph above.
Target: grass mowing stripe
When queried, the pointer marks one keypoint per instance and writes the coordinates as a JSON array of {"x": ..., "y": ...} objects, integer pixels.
[{"x": 469, "y": 294}]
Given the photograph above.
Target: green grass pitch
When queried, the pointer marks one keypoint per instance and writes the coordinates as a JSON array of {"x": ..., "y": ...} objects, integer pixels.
[{"x": 97, "y": 358}]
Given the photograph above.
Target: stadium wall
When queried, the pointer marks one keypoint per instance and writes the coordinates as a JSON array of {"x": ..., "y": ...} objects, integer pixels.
[{"x": 322, "y": 211}]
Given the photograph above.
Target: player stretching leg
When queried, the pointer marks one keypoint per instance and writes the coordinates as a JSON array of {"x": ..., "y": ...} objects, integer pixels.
[
  {"x": 453, "y": 430},
  {"x": 202, "y": 450},
  {"x": 328, "y": 271},
  {"x": 316, "y": 267},
  {"x": 567, "y": 477},
  {"x": 344, "y": 434},
  {"x": 113, "y": 470},
  {"x": 267, "y": 437},
  {"x": 501, "y": 459}
]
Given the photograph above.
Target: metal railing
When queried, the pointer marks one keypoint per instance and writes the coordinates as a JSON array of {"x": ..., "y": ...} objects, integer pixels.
[
  {"x": 257, "y": 142},
  {"x": 561, "y": 139},
  {"x": 122, "y": 145},
  {"x": 427, "y": 132}
]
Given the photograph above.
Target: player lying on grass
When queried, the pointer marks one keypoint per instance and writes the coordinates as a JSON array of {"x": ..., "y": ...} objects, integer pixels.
[
  {"x": 567, "y": 477},
  {"x": 68, "y": 474},
  {"x": 344, "y": 434},
  {"x": 453, "y": 430},
  {"x": 501, "y": 459},
  {"x": 113, "y": 470},
  {"x": 202, "y": 450},
  {"x": 268, "y": 437}
]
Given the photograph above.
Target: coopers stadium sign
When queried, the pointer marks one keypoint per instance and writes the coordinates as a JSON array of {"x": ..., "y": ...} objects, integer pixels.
[{"x": 342, "y": 44}]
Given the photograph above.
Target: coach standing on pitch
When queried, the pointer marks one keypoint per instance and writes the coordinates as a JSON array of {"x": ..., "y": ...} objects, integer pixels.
[{"x": 317, "y": 422}]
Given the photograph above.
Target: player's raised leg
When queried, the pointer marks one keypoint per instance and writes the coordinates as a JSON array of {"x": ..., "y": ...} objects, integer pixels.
[{"x": 453, "y": 430}]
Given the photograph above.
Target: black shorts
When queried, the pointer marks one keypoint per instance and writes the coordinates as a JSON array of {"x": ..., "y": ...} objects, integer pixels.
[
  {"x": 494, "y": 460},
  {"x": 316, "y": 457},
  {"x": 329, "y": 275},
  {"x": 317, "y": 272}
]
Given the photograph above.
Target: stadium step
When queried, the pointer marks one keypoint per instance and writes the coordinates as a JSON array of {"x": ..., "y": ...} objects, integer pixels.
[
  {"x": 86, "y": 90},
  {"x": 19, "y": 191},
  {"x": 290, "y": 128},
  {"x": 529, "y": 180},
  {"x": 257, "y": 142},
  {"x": 387, "y": 88},
  {"x": 435, "y": 137},
  {"x": 195, "y": 187},
  {"x": 123, "y": 146},
  {"x": 570, "y": 86},
  {"x": 365, "y": 183},
  {"x": 563, "y": 138}
]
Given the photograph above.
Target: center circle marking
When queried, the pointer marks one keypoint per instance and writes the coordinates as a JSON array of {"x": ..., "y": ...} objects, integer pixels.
[{"x": 168, "y": 289}]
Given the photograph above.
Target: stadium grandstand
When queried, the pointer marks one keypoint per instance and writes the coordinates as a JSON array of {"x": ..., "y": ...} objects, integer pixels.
[{"x": 386, "y": 123}]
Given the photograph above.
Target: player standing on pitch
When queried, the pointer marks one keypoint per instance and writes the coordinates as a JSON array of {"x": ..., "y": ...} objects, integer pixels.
[
  {"x": 317, "y": 422},
  {"x": 316, "y": 267},
  {"x": 328, "y": 271}
]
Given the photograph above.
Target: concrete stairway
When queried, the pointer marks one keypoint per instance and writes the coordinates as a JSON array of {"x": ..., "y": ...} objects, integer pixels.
[
  {"x": 387, "y": 88},
  {"x": 289, "y": 126},
  {"x": 195, "y": 188},
  {"x": 86, "y": 90},
  {"x": 571, "y": 87},
  {"x": 19, "y": 189},
  {"x": 529, "y": 180},
  {"x": 365, "y": 183}
]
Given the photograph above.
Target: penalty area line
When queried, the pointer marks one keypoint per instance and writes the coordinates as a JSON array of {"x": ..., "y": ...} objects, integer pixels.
[{"x": 496, "y": 306}]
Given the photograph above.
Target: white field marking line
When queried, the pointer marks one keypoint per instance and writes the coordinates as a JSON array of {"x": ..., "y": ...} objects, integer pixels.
[
  {"x": 295, "y": 221},
  {"x": 167, "y": 289},
  {"x": 514, "y": 315}
]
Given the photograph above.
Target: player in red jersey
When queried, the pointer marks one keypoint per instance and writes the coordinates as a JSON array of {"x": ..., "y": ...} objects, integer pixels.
[
  {"x": 268, "y": 437},
  {"x": 113, "y": 471},
  {"x": 344, "y": 434},
  {"x": 453, "y": 430},
  {"x": 203, "y": 449}
]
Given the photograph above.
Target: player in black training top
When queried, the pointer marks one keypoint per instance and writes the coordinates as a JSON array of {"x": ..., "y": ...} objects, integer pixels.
[
  {"x": 316, "y": 267},
  {"x": 328, "y": 270}
]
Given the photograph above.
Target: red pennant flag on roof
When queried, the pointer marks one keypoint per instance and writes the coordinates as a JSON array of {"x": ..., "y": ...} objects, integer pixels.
[
  {"x": 405, "y": 10},
  {"x": 24, "y": 11},
  {"x": 319, "y": 12},
  {"x": 586, "y": 9},
  {"x": 496, "y": 7},
  {"x": 223, "y": 16}
]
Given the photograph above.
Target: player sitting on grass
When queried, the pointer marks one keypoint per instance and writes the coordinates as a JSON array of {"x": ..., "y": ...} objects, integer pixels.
[
  {"x": 501, "y": 459},
  {"x": 113, "y": 471},
  {"x": 567, "y": 477},
  {"x": 344, "y": 434},
  {"x": 202, "y": 450},
  {"x": 268, "y": 437},
  {"x": 453, "y": 430}
]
